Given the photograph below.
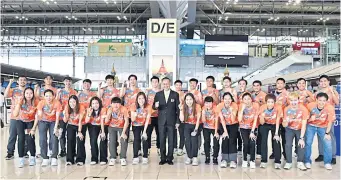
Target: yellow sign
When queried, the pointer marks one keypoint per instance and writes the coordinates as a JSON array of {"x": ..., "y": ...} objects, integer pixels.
[
  {"x": 162, "y": 28},
  {"x": 110, "y": 49}
]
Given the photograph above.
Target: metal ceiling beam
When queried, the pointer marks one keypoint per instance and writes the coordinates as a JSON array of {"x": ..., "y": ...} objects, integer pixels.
[
  {"x": 200, "y": 14},
  {"x": 125, "y": 9},
  {"x": 192, "y": 13}
]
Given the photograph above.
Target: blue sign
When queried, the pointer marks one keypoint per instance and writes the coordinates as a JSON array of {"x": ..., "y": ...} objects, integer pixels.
[{"x": 337, "y": 122}]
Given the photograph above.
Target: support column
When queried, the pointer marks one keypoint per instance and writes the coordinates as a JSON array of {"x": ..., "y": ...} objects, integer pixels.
[
  {"x": 8, "y": 51},
  {"x": 41, "y": 58},
  {"x": 73, "y": 60}
]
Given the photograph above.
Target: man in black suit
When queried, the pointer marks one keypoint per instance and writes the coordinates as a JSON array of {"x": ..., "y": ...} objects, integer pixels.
[{"x": 167, "y": 103}]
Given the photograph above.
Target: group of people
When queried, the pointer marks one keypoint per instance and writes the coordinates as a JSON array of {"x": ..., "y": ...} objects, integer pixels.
[{"x": 239, "y": 120}]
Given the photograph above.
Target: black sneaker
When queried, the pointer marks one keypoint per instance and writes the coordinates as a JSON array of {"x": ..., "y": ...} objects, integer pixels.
[
  {"x": 9, "y": 156},
  {"x": 208, "y": 160},
  {"x": 333, "y": 161},
  {"x": 319, "y": 158},
  {"x": 215, "y": 161},
  {"x": 62, "y": 153},
  {"x": 272, "y": 156}
]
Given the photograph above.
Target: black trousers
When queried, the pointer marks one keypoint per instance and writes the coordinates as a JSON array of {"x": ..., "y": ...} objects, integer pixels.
[
  {"x": 181, "y": 135},
  {"x": 94, "y": 131},
  {"x": 62, "y": 140},
  {"x": 24, "y": 138},
  {"x": 248, "y": 144},
  {"x": 72, "y": 141},
  {"x": 151, "y": 127},
  {"x": 282, "y": 133},
  {"x": 264, "y": 131},
  {"x": 138, "y": 130},
  {"x": 229, "y": 145},
  {"x": 207, "y": 143},
  {"x": 191, "y": 142},
  {"x": 259, "y": 142},
  {"x": 239, "y": 141},
  {"x": 166, "y": 132},
  {"x": 81, "y": 153}
]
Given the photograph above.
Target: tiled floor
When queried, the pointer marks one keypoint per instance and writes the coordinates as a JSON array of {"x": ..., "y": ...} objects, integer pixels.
[{"x": 9, "y": 170}]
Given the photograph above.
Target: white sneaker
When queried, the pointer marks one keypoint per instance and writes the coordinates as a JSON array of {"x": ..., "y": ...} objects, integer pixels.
[
  {"x": 233, "y": 165},
  {"x": 308, "y": 165},
  {"x": 45, "y": 163},
  {"x": 175, "y": 151},
  {"x": 328, "y": 166},
  {"x": 102, "y": 163},
  {"x": 21, "y": 163},
  {"x": 123, "y": 162},
  {"x": 32, "y": 161},
  {"x": 245, "y": 164},
  {"x": 180, "y": 152},
  {"x": 68, "y": 164},
  {"x": 263, "y": 165},
  {"x": 188, "y": 161},
  {"x": 277, "y": 166},
  {"x": 93, "y": 163},
  {"x": 136, "y": 161},
  {"x": 54, "y": 162},
  {"x": 195, "y": 162},
  {"x": 223, "y": 164},
  {"x": 144, "y": 160},
  {"x": 80, "y": 164},
  {"x": 301, "y": 166},
  {"x": 252, "y": 165},
  {"x": 258, "y": 156},
  {"x": 287, "y": 166},
  {"x": 112, "y": 162}
]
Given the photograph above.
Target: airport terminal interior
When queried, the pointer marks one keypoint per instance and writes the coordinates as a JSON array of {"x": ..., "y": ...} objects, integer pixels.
[{"x": 170, "y": 89}]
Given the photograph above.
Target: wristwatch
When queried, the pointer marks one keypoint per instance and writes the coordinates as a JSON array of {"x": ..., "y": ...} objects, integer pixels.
[
  {"x": 327, "y": 133},
  {"x": 252, "y": 132},
  {"x": 301, "y": 138}
]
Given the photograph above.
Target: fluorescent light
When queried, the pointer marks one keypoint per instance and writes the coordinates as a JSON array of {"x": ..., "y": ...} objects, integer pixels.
[
  {"x": 132, "y": 29},
  {"x": 66, "y": 17},
  {"x": 89, "y": 29},
  {"x": 55, "y": 2},
  {"x": 84, "y": 29},
  {"x": 26, "y": 19},
  {"x": 40, "y": 29},
  {"x": 45, "y": 28},
  {"x": 75, "y": 18},
  {"x": 257, "y": 30},
  {"x": 47, "y": 2},
  {"x": 226, "y": 18},
  {"x": 327, "y": 18},
  {"x": 127, "y": 29},
  {"x": 321, "y": 18},
  {"x": 23, "y": 17},
  {"x": 16, "y": 17}
]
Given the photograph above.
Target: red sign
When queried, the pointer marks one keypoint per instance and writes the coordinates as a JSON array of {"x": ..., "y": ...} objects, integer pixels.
[{"x": 299, "y": 45}]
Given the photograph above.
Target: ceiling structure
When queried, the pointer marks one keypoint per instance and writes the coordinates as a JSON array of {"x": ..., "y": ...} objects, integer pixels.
[{"x": 306, "y": 18}]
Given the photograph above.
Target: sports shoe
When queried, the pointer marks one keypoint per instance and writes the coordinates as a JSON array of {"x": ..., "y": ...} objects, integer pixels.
[
  {"x": 123, "y": 162},
  {"x": 333, "y": 161},
  {"x": 319, "y": 158},
  {"x": 9, "y": 156},
  {"x": 188, "y": 161},
  {"x": 208, "y": 160},
  {"x": 180, "y": 152},
  {"x": 62, "y": 153},
  {"x": 328, "y": 166},
  {"x": 258, "y": 156},
  {"x": 80, "y": 164},
  {"x": 68, "y": 163},
  {"x": 32, "y": 161},
  {"x": 245, "y": 164},
  {"x": 45, "y": 162},
  {"x": 195, "y": 162},
  {"x": 93, "y": 163},
  {"x": 252, "y": 165},
  {"x": 233, "y": 165},
  {"x": 287, "y": 166},
  {"x": 308, "y": 165},
  {"x": 136, "y": 161},
  {"x": 102, "y": 163},
  {"x": 223, "y": 164},
  {"x": 21, "y": 162},
  {"x": 112, "y": 162},
  {"x": 272, "y": 156},
  {"x": 277, "y": 166},
  {"x": 54, "y": 162},
  {"x": 144, "y": 160},
  {"x": 263, "y": 165},
  {"x": 301, "y": 166}
]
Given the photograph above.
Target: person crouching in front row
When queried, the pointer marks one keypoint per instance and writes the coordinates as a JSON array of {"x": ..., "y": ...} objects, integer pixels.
[{"x": 118, "y": 120}]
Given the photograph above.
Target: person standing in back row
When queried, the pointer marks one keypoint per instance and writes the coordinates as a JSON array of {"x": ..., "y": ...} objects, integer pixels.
[
  {"x": 333, "y": 99},
  {"x": 179, "y": 149},
  {"x": 63, "y": 96},
  {"x": 14, "y": 94},
  {"x": 167, "y": 103},
  {"x": 150, "y": 93}
]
